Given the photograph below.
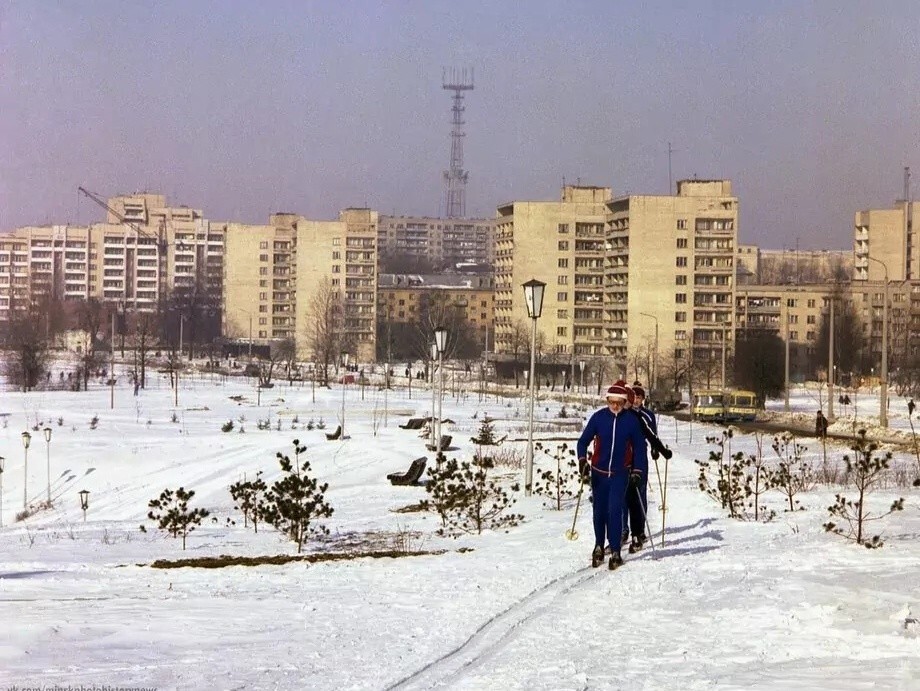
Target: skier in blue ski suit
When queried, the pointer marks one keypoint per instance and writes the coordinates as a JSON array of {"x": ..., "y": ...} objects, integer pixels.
[
  {"x": 637, "y": 493},
  {"x": 618, "y": 440}
]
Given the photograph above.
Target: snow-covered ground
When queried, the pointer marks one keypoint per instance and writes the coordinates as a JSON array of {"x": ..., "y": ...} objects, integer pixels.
[{"x": 723, "y": 604}]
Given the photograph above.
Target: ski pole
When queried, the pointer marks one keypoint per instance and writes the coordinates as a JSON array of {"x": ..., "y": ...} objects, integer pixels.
[
  {"x": 648, "y": 527},
  {"x": 573, "y": 534}
]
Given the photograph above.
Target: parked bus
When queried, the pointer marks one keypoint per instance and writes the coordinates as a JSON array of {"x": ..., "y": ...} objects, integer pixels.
[
  {"x": 742, "y": 405},
  {"x": 709, "y": 405}
]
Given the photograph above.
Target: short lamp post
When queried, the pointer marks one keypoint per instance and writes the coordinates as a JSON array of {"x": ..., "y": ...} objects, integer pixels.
[
  {"x": 2, "y": 461},
  {"x": 440, "y": 342},
  {"x": 84, "y": 501},
  {"x": 26, "y": 440},
  {"x": 47, "y": 432},
  {"x": 533, "y": 298},
  {"x": 581, "y": 368},
  {"x": 433, "y": 352},
  {"x": 344, "y": 380}
]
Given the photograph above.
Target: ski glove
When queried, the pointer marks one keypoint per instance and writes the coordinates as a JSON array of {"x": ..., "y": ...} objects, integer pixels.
[
  {"x": 667, "y": 453},
  {"x": 655, "y": 454},
  {"x": 635, "y": 478},
  {"x": 584, "y": 469}
]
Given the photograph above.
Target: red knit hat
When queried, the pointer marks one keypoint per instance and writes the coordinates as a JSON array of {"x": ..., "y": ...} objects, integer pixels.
[
  {"x": 630, "y": 393},
  {"x": 618, "y": 391},
  {"x": 638, "y": 390}
]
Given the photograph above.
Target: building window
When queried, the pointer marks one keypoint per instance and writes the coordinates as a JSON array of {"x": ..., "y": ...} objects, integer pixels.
[
  {"x": 263, "y": 271},
  {"x": 335, "y": 281},
  {"x": 336, "y": 256},
  {"x": 262, "y": 334},
  {"x": 336, "y": 269},
  {"x": 793, "y": 335},
  {"x": 561, "y": 330},
  {"x": 263, "y": 257},
  {"x": 680, "y": 316},
  {"x": 263, "y": 308},
  {"x": 682, "y": 224},
  {"x": 793, "y": 319},
  {"x": 810, "y": 319},
  {"x": 562, "y": 280},
  {"x": 792, "y": 302},
  {"x": 263, "y": 296},
  {"x": 681, "y": 261},
  {"x": 263, "y": 321},
  {"x": 680, "y": 298},
  {"x": 336, "y": 241},
  {"x": 263, "y": 245},
  {"x": 562, "y": 314},
  {"x": 681, "y": 243},
  {"x": 562, "y": 297},
  {"x": 811, "y": 303},
  {"x": 263, "y": 283},
  {"x": 564, "y": 263},
  {"x": 563, "y": 245},
  {"x": 563, "y": 227},
  {"x": 681, "y": 280}
]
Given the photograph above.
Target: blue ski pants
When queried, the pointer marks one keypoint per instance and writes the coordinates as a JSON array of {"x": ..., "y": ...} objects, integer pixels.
[{"x": 609, "y": 502}]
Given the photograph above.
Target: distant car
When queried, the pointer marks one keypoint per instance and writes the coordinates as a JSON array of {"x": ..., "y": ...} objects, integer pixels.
[
  {"x": 709, "y": 405},
  {"x": 742, "y": 405}
]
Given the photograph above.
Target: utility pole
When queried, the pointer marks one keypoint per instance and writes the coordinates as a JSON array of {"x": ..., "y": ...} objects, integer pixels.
[
  {"x": 786, "y": 364},
  {"x": 112, "y": 368},
  {"x": 670, "y": 182},
  {"x": 830, "y": 366}
]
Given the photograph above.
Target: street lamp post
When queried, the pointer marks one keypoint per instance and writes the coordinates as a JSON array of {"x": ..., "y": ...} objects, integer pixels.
[
  {"x": 883, "y": 397},
  {"x": 84, "y": 501},
  {"x": 533, "y": 298},
  {"x": 433, "y": 347},
  {"x": 440, "y": 341},
  {"x": 2, "y": 461},
  {"x": 655, "y": 374},
  {"x": 344, "y": 374},
  {"x": 26, "y": 440},
  {"x": 47, "y": 432},
  {"x": 581, "y": 367}
]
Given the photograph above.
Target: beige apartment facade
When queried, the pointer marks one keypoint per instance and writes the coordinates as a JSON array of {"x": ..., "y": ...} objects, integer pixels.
[
  {"x": 438, "y": 241},
  {"x": 562, "y": 244},
  {"x": 670, "y": 274},
  {"x": 885, "y": 238}
]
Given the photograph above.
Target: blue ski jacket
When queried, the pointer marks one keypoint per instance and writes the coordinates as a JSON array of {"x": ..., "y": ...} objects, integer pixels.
[{"x": 618, "y": 442}]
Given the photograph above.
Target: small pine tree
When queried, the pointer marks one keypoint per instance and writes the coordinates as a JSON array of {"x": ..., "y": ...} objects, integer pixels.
[
  {"x": 442, "y": 488},
  {"x": 249, "y": 497},
  {"x": 227, "y": 426},
  {"x": 486, "y": 436},
  {"x": 721, "y": 476},
  {"x": 793, "y": 475},
  {"x": 296, "y": 500},
  {"x": 560, "y": 484},
  {"x": 171, "y": 513},
  {"x": 864, "y": 471}
]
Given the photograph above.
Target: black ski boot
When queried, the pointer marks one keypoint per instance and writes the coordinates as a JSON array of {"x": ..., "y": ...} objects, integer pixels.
[
  {"x": 597, "y": 556},
  {"x": 616, "y": 561},
  {"x": 624, "y": 539},
  {"x": 637, "y": 543}
]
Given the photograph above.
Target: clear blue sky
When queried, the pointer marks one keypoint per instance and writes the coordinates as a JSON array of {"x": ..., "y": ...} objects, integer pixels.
[{"x": 244, "y": 108}]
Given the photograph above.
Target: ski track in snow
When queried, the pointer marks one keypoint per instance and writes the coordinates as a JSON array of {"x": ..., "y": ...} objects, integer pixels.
[{"x": 493, "y": 634}]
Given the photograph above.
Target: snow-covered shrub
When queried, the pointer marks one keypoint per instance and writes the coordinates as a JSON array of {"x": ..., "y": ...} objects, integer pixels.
[
  {"x": 171, "y": 513},
  {"x": 864, "y": 471},
  {"x": 296, "y": 500},
  {"x": 559, "y": 483},
  {"x": 94, "y": 422},
  {"x": 227, "y": 426}
]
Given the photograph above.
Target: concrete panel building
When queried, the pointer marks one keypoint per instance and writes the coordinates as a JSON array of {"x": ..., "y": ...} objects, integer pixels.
[
  {"x": 887, "y": 236},
  {"x": 561, "y": 243},
  {"x": 438, "y": 241}
]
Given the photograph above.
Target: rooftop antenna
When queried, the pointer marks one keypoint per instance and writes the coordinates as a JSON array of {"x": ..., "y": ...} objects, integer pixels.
[
  {"x": 670, "y": 180},
  {"x": 457, "y": 80}
]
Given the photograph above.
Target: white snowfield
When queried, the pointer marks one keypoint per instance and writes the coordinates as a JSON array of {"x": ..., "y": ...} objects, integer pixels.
[{"x": 723, "y": 604}]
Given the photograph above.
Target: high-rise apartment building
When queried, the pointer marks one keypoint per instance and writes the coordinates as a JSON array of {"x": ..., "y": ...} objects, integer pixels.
[
  {"x": 670, "y": 272},
  {"x": 886, "y": 235},
  {"x": 438, "y": 241},
  {"x": 562, "y": 244}
]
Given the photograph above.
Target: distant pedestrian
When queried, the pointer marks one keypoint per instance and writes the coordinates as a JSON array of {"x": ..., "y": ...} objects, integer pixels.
[{"x": 820, "y": 426}]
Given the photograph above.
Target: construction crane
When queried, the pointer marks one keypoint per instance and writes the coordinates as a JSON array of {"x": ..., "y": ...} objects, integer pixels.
[{"x": 159, "y": 238}]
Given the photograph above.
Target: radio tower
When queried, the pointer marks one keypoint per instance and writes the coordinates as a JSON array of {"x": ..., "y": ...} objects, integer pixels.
[{"x": 458, "y": 81}]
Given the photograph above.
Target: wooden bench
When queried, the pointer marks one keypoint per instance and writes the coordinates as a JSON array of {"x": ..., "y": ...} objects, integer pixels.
[{"x": 412, "y": 475}]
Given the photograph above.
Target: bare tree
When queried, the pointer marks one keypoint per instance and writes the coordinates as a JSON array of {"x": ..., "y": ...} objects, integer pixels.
[
  {"x": 279, "y": 353},
  {"x": 27, "y": 346},
  {"x": 324, "y": 332},
  {"x": 91, "y": 318}
]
